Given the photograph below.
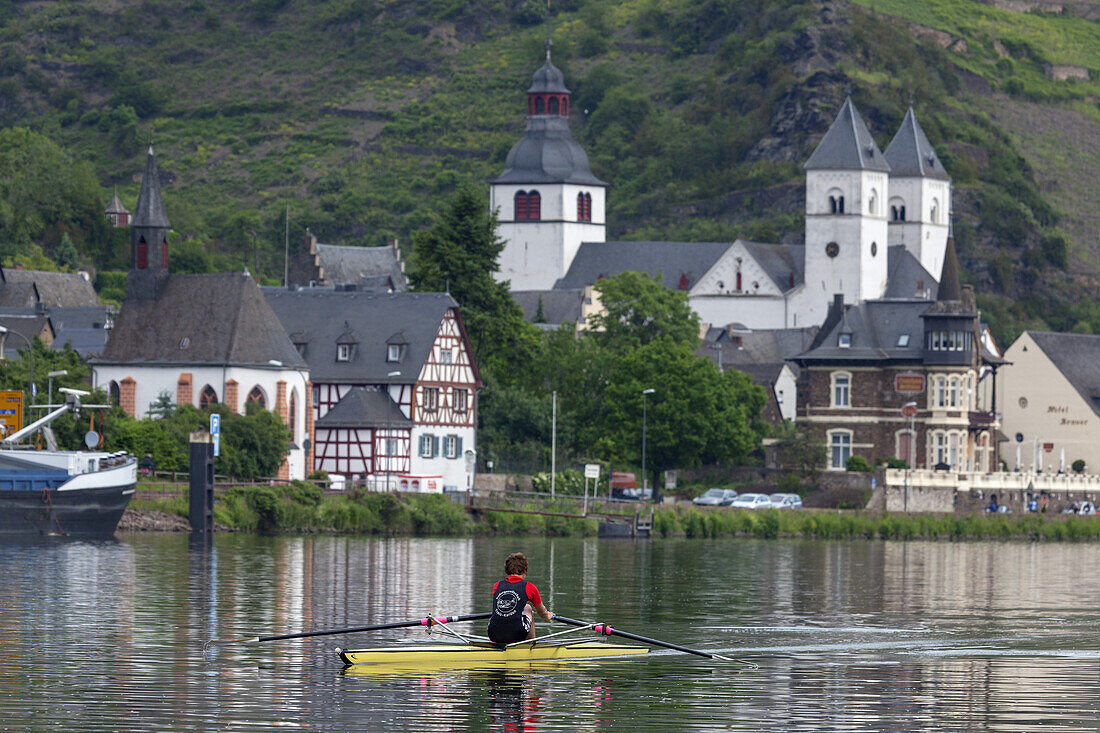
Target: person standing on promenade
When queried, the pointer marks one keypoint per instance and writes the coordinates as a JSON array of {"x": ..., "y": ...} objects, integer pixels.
[{"x": 515, "y": 602}]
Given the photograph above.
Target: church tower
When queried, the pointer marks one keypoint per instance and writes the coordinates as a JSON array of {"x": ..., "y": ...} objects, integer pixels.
[
  {"x": 920, "y": 195},
  {"x": 846, "y": 226},
  {"x": 148, "y": 238},
  {"x": 547, "y": 200}
]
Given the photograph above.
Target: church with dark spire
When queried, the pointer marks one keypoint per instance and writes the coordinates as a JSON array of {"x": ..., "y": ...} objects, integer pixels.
[
  {"x": 547, "y": 199},
  {"x": 149, "y": 229}
]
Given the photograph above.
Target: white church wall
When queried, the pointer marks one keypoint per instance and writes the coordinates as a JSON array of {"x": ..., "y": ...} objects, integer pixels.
[{"x": 753, "y": 311}]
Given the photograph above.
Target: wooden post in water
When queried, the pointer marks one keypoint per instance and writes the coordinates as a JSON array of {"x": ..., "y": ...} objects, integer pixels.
[{"x": 202, "y": 482}]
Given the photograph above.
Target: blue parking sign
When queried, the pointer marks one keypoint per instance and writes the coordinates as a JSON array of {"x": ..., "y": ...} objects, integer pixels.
[{"x": 215, "y": 432}]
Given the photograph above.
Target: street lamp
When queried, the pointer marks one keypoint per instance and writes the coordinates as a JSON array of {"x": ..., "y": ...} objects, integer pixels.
[
  {"x": 30, "y": 350},
  {"x": 644, "y": 476},
  {"x": 51, "y": 375},
  {"x": 386, "y": 439}
]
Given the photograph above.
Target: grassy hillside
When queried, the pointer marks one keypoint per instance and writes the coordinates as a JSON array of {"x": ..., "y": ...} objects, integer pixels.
[{"x": 359, "y": 117}]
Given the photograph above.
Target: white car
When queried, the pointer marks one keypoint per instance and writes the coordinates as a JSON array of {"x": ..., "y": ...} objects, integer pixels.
[
  {"x": 786, "y": 501},
  {"x": 715, "y": 497},
  {"x": 751, "y": 501}
]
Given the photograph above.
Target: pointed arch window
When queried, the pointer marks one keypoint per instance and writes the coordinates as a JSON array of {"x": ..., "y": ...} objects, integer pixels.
[
  {"x": 207, "y": 397},
  {"x": 293, "y": 415},
  {"x": 256, "y": 396},
  {"x": 115, "y": 394},
  {"x": 553, "y": 106},
  {"x": 521, "y": 205},
  {"x": 164, "y": 254},
  {"x": 142, "y": 254}
]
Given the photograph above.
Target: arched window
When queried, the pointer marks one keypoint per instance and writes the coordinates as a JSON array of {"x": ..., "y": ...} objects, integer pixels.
[
  {"x": 553, "y": 107},
  {"x": 941, "y": 392},
  {"x": 832, "y": 204},
  {"x": 872, "y": 202},
  {"x": 164, "y": 254},
  {"x": 521, "y": 205},
  {"x": 584, "y": 207},
  {"x": 904, "y": 443},
  {"x": 540, "y": 106},
  {"x": 115, "y": 395},
  {"x": 257, "y": 396},
  {"x": 207, "y": 397},
  {"x": 935, "y": 212},
  {"x": 953, "y": 392},
  {"x": 142, "y": 254},
  {"x": 565, "y": 106},
  {"x": 840, "y": 448},
  {"x": 842, "y": 389},
  {"x": 534, "y": 206},
  {"x": 840, "y": 204}
]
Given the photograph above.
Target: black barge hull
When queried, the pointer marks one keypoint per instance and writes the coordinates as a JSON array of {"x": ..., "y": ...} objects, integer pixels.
[{"x": 86, "y": 512}]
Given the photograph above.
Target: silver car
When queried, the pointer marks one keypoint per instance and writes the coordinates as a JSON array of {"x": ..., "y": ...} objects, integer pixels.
[
  {"x": 751, "y": 501},
  {"x": 786, "y": 501},
  {"x": 715, "y": 497}
]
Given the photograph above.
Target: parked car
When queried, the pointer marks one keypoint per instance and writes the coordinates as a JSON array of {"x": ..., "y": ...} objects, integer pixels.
[
  {"x": 751, "y": 501},
  {"x": 715, "y": 497},
  {"x": 786, "y": 501}
]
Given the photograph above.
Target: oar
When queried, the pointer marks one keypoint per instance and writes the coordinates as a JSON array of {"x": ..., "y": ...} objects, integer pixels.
[
  {"x": 428, "y": 621},
  {"x": 609, "y": 631}
]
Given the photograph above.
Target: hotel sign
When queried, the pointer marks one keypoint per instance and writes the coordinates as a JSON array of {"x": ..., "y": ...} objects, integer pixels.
[{"x": 909, "y": 383}]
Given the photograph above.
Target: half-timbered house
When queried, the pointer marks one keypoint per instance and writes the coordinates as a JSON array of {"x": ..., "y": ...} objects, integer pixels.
[{"x": 394, "y": 384}]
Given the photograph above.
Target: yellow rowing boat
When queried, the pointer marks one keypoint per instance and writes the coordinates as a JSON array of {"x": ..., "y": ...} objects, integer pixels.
[{"x": 481, "y": 653}]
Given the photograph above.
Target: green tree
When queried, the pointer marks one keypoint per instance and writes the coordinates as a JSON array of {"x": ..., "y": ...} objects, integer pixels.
[
  {"x": 65, "y": 254},
  {"x": 42, "y": 188},
  {"x": 162, "y": 406},
  {"x": 639, "y": 309},
  {"x": 458, "y": 254},
  {"x": 798, "y": 450}
]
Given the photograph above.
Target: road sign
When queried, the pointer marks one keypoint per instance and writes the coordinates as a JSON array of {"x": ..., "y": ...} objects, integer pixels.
[
  {"x": 909, "y": 410},
  {"x": 215, "y": 432},
  {"x": 11, "y": 411},
  {"x": 592, "y": 470}
]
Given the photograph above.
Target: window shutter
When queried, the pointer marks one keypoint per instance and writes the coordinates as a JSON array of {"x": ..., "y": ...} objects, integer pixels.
[
  {"x": 435, "y": 446},
  {"x": 458, "y": 447}
]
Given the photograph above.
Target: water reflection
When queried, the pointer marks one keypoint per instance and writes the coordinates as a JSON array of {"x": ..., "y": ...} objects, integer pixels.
[{"x": 860, "y": 636}]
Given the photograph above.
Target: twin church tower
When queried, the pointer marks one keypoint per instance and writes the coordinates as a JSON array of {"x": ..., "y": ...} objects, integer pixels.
[{"x": 860, "y": 203}]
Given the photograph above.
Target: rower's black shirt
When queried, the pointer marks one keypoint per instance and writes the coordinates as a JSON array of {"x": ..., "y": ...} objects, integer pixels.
[{"x": 508, "y": 622}]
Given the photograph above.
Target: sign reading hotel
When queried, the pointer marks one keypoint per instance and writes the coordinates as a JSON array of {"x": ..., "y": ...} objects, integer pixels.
[
  {"x": 908, "y": 383},
  {"x": 11, "y": 411}
]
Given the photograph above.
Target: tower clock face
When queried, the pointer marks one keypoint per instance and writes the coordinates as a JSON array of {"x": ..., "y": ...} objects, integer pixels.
[{"x": 832, "y": 249}]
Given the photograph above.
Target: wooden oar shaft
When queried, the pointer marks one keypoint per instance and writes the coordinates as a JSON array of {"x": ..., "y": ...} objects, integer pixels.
[
  {"x": 605, "y": 629},
  {"x": 428, "y": 621}
]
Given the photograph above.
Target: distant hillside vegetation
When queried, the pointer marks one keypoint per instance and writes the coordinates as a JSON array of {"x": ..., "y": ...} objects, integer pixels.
[{"x": 358, "y": 118}]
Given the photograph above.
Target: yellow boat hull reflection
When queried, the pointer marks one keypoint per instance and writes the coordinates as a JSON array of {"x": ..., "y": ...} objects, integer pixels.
[{"x": 458, "y": 655}]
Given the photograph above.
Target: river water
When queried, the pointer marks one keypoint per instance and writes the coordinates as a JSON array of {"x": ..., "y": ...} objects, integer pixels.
[{"x": 852, "y": 636}]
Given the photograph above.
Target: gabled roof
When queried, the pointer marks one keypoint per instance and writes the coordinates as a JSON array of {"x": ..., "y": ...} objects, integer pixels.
[
  {"x": 1077, "y": 357},
  {"x": 784, "y": 263},
  {"x": 596, "y": 260},
  {"x": 847, "y": 145},
  {"x": 218, "y": 319},
  {"x": 342, "y": 265},
  {"x": 28, "y": 287},
  {"x": 907, "y": 278},
  {"x": 558, "y": 306},
  {"x": 116, "y": 207},
  {"x": 911, "y": 155},
  {"x": 875, "y": 327},
  {"x": 150, "y": 206},
  {"x": 28, "y": 326},
  {"x": 319, "y": 315},
  {"x": 364, "y": 407}
]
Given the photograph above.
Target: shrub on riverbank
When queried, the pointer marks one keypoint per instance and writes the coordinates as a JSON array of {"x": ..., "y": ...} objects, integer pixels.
[{"x": 856, "y": 525}]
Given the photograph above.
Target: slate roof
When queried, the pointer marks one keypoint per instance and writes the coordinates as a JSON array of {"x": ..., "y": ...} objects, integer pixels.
[
  {"x": 548, "y": 79},
  {"x": 558, "y": 306},
  {"x": 780, "y": 262},
  {"x": 847, "y": 145},
  {"x": 317, "y": 317},
  {"x": 1077, "y": 357},
  {"x": 875, "y": 326},
  {"x": 116, "y": 207},
  {"x": 29, "y": 287},
  {"x": 911, "y": 155},
  {"x": 949, "y": 300},
  {"x": 596, "y": 260},
  {"x": 364, "y": 407},
  {"x": 28, "y": 326},
  {"x": 766, "y": 349},
  {"x": 84, "y": 329},
  {"x": 906, "y": 274},
  {"x": 360, "y": 265},
  {"x": 218, "y": 319},
  {"x": 150, "y": 206},
  {"x": 547, "y": 153}
]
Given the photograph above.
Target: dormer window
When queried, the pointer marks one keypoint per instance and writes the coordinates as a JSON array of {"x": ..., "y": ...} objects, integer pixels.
[
  {"x": 343, "y": 352},
  {"x": 845, "y": 341},
  {"x": 393, "y": 352}
]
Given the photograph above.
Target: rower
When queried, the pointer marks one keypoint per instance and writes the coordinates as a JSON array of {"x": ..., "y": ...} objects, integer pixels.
[{"x": 515, "y": 602}]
